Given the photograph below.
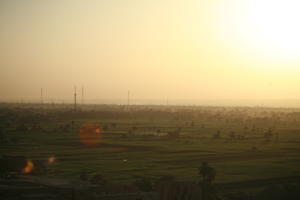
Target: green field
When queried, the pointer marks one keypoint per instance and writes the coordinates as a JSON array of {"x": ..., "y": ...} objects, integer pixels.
[{"x": 136, "y": 141}]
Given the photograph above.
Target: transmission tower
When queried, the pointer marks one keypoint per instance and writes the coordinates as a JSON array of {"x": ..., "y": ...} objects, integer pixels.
[
  {"x": 82, "y": 95},
  {"x": 41, "y": 97},
  {"x": 75, "y": 102}
]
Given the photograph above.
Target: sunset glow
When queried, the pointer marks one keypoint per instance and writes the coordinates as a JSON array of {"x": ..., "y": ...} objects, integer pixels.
[
  {"x": 268, "y": 27},
  {"x": 195, "y": 51},
  {"x": 150, "y": 99}
]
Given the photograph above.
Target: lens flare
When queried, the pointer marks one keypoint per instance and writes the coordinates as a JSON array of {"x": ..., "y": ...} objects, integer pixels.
[
  {"x": 29, "y": 167},
  {"x": 98, "y": 130},
  {"x": 90, "y": 134},
  {"x": 51, "y": 160}
]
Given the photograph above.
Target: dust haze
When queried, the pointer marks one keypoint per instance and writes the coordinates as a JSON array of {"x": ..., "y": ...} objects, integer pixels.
[{"x": 158, "y": 50}]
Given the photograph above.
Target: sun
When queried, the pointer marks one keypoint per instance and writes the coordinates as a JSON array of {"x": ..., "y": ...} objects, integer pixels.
[{"x": 267, "y": 28}]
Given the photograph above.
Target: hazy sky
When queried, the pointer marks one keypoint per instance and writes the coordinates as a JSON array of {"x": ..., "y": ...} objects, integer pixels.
[{"x": 158, "y": 49}]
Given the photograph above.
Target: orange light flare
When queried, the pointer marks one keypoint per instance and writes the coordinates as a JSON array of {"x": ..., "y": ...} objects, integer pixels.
[
  {"x": 98, "y": 130},
  {"x": 51, "y": 160},
  {"x": 29, "y": 167},
  {"x": 90, "y": 134}
]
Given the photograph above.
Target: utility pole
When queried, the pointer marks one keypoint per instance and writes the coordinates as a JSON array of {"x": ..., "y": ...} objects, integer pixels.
[
  {"x": 128, "y": 98},
  {"x": 82, "y": 95},
  {"x": 41, "y": 98},
  {"x": 75, "y": 103}
]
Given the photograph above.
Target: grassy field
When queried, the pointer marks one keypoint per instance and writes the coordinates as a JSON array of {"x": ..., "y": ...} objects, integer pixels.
[{"x": 136, "y": 142}]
